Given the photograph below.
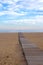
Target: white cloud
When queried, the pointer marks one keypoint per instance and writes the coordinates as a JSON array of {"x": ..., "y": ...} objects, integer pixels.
[
  {"x": 16, "y": 10},
  {"x": 0, "y": 5},
  {"x": 33, "y": 21},
  {"x": 7, "y": 1},
  {"x": 39, "y": 19},
  {"x": 40, "y": 0},
  {"x": 32, "y": 4},
  {"x": 16, "y": 0},
  {"x": 2, "y": 13},
  {"x": 12, "y": 13},
  {"x": 25, "y": 4}
]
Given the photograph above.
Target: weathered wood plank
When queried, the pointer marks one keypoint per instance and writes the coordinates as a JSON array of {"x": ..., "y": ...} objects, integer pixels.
[{"x": 33, "y": 54}]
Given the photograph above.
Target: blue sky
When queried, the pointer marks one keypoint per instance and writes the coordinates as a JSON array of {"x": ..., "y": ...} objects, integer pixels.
[{"x": 21, "y": 14}]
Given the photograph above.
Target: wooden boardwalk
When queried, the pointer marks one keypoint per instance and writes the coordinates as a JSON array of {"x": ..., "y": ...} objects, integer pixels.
[{"x": 33, "y": 54}]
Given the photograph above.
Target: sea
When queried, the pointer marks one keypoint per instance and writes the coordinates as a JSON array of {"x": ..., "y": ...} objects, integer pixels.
[{"x": 12, "y": 31}]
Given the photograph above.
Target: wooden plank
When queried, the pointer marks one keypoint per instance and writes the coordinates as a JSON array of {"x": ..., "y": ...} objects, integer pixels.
[{"x": 33, "y": 54}]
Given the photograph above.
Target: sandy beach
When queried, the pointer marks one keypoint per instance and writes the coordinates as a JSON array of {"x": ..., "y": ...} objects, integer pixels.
[
  {"x": 36, "y": 38},
  {"x": 10, "y": 50}
]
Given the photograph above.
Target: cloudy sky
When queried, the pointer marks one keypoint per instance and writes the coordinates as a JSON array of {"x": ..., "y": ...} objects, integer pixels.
[{"x": 21, "y": 14}]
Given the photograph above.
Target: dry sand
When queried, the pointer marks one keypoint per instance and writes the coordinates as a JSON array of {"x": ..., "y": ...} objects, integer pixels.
[
  {"x": 36, "y": 38},
  {"x": 10, "y": 50}
]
